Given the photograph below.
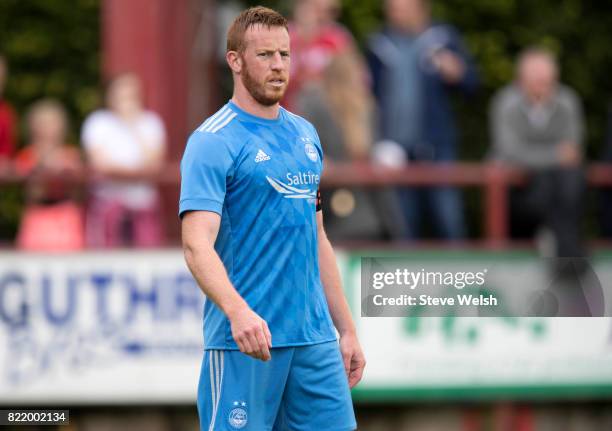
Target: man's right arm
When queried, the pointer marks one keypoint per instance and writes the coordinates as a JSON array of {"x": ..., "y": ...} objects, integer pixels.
[{"x": 250, "y": 331}]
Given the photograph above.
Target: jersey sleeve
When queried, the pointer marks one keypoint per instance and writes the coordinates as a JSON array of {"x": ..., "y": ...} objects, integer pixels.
[
  {"x": 317, "y": 142},
  {"x": 319, "y": 148},
  {"x": 206, "y": 167}
]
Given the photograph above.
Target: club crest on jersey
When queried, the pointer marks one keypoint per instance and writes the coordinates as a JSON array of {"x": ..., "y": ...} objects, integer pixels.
[
  {"x": 310, "y": 149},
  {"x": 237, "y": 417}
]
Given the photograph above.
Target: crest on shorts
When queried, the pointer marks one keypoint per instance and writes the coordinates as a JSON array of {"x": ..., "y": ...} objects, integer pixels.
[{"x": 238, "y": 417}]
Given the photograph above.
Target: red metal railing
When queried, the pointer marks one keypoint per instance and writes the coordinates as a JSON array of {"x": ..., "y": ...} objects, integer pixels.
[{"x": 494, "y": 179}]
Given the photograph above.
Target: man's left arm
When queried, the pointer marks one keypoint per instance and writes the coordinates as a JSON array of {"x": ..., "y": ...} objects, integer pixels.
[{"x": 352, "y": 355}]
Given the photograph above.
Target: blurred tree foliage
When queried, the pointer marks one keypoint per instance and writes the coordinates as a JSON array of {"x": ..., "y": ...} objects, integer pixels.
[
  {"x": 53, "y": 50},
  {"x": 578, "y": 31}
]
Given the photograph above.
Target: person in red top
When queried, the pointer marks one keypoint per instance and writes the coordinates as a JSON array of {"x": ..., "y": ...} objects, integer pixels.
[
  {"x": 52, "y": 219},
  {"x": 8, "y": 120},
  {"x": 316, "y": 38}
]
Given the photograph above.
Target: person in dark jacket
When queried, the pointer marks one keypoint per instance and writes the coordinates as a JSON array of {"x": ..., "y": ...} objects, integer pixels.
[{"x": 414, "y": 65}]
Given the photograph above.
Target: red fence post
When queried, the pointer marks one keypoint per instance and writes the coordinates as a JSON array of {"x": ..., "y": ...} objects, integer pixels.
[
  {"x": 171, "y": 46},
  {"x": 496, "y": 206}
]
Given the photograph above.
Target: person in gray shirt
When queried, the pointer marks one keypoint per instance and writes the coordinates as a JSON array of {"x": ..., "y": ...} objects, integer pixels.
[{"x": 537, "y": 124}]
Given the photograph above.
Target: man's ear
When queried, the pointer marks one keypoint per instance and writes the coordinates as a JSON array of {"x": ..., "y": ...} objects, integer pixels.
[{"x": 234, "y": 61}]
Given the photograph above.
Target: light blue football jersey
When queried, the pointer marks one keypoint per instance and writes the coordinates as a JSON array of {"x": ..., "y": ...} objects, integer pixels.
[{"x": 262, "y": 177}]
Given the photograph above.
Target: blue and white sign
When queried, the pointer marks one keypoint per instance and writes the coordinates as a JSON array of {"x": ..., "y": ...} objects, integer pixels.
[{"x": 99, "y": 327}]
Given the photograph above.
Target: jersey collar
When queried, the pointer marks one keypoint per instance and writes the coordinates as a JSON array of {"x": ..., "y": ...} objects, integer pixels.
[{"x": 255, "y": 119}]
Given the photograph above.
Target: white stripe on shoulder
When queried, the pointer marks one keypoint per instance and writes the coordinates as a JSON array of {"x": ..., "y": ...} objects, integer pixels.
[
  {"x": 217, "y": 120},
  {"x": 224, "y": 123},
  {"x": 292, "y": 114},
  {"x": 212, "y": 118}
]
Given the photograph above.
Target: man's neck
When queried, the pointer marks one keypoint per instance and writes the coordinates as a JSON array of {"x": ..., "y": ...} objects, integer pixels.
[
  {"x": 247, "y": 103},
  {"x": 44, "y": 146},
  {"x": 413, "y": 28},
  {"x": 538, "y": 101}
]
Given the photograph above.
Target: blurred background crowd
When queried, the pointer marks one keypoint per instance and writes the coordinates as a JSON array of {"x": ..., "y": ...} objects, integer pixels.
[
  {"x": 394, "y": 84},
  {"x": 444, "y": 123}
]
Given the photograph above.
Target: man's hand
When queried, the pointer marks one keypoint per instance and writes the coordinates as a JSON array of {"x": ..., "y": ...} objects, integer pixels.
[
  {"x": 569, "y": 154},
  {"x": 352, "y": 356},
  {"x": 450, "y": 65},
  {"x": 251, "y": 333}
]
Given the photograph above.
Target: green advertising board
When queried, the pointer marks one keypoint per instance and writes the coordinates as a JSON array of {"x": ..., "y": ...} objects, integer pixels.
[{"x": 418, "y": 358}]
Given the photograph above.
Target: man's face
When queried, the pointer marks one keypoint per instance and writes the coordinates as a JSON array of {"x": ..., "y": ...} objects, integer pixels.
[
  {"x": 48, "y": 125},
  {"x": 406, "y": 14},
  {"x": 124, "y": 95},
  {"x": 538, "y": 78},
  {"x": 265, "y": 63}
]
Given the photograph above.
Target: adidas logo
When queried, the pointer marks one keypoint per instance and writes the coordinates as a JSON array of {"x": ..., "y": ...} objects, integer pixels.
[{"x": 261, "y": 157}]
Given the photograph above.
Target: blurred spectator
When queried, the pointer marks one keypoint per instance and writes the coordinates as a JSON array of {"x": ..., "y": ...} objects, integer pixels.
[
  {"x": 52, "y": 219},
  {"x": 341, "y": 108},
  {"x": 414, "y": 63},
  {"x": 7, "y": 118},
  {"x": 316, "y": 38},
  {"x": 537, "y": 124},
  {"x": 125, "y": 146}
]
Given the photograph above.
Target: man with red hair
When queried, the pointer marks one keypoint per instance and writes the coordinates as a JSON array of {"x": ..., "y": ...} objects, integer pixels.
[{"x": 254, "y": 240}]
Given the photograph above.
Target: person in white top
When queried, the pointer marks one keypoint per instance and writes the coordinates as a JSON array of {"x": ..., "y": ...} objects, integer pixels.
[{"x": 124, "y": 145}]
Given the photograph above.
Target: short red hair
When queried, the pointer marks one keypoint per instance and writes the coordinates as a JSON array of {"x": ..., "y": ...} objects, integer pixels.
[{"x": 249, "y": 17}]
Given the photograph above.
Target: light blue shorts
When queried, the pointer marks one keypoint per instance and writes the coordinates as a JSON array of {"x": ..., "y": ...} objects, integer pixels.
[{"x": 300, "y": 389}]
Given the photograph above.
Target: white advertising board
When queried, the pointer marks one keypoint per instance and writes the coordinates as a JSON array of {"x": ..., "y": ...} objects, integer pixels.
[
  {"x": 114, "y": 327},
  {"x": 484, "y": 357},
  {"x": 126, "y": 327}
]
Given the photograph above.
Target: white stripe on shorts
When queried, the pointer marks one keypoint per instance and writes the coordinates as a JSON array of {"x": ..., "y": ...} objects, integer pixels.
[
  {"x": 217, "y": 362},
  {"x": 212, "y": 380}
]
